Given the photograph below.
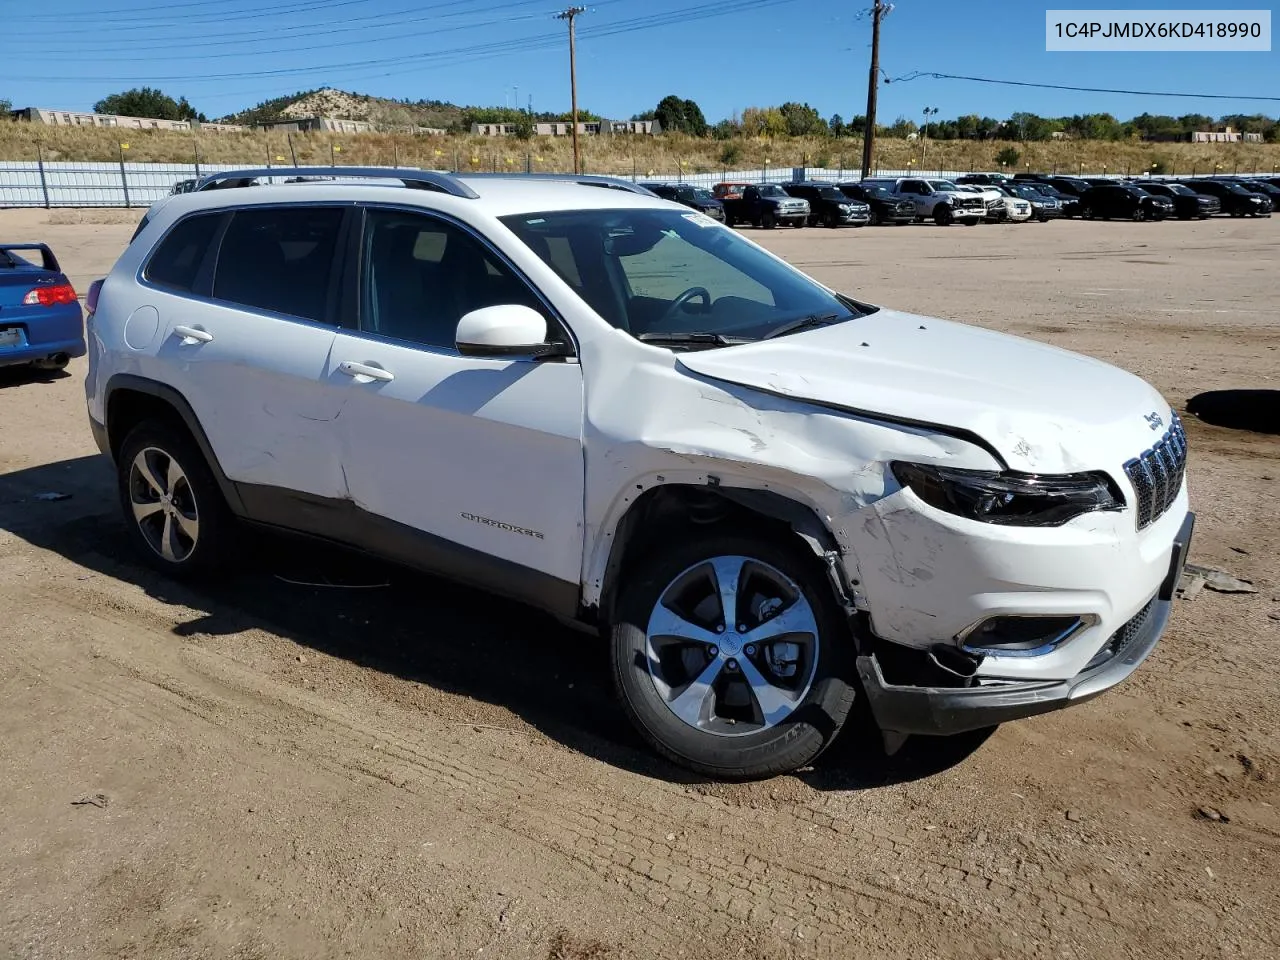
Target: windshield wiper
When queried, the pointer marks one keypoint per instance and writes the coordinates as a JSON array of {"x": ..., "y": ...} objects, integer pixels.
[
  {"x": 679, "y": 338},
  {"x": 803, "y": 323}
]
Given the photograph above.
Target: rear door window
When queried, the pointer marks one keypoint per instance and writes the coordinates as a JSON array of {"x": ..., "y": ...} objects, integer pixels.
[
  {"x": 280, "y": 259},
  {"x": 183, "y": 260}
]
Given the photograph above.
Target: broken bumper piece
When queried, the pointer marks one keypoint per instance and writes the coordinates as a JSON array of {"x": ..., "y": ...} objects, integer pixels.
[
  {"x": 946, "y": 710},
  {"x": 906, "y": 710}
]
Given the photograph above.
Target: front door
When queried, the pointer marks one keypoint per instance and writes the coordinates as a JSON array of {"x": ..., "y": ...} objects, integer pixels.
[{"x": 482, "y": 457}]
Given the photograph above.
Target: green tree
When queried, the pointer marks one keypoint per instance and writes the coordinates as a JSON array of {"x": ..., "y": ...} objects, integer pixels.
[
  {"x": 1008, "y": 156},
  {"x": 695, "y": 124},
  {"x": 726, "y": 130},
  {"x": 680, "y": 116},
  {"x": 5, "y": 106},
  {"x": 802, "y": 120},
  {"x": 146, "y": 102},
  {"x": 836, "y": 125}
]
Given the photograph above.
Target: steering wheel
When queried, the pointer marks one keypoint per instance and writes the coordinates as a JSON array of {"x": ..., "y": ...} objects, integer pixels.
[{"x": 691, "y": 294}]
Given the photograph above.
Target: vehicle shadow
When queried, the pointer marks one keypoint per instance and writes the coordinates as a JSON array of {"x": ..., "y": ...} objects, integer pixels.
[
  {"x": 16, "y": 375},
  {"x": 1256, "y": 410},
  {"x": 412, "y": 626}
]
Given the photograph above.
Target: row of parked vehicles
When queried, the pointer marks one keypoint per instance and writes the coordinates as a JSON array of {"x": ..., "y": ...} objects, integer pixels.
[{"x": 974, "y": 198}]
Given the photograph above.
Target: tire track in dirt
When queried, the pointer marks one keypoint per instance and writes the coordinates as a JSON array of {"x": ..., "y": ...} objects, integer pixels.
[{"x": 876, "y": 878}]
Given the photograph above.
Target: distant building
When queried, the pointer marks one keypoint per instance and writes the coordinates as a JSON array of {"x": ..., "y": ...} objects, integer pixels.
[
  {"x": 562, "y": 128},
  {"x": 73, "y": 118},
  {"x": 316, "y": 124},
  {"x": 1220, "y": 135}
]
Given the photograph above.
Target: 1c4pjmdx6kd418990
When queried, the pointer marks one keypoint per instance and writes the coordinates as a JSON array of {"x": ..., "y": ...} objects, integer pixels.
[{"x": 767, "y": 494}]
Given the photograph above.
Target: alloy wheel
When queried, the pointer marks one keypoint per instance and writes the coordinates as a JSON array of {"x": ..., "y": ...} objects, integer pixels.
[
  {"x": 732, "y": 646},
  {"x": 163, "y": 504}
]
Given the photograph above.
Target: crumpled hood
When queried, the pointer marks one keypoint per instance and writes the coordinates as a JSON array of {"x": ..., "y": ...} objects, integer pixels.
[{"x": 1045, "y": 410}]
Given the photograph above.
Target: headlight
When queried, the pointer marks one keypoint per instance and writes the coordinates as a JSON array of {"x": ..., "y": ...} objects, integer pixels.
[
  {"x": 844, "y": 207},
  {"x": 1018, "y": 499}
]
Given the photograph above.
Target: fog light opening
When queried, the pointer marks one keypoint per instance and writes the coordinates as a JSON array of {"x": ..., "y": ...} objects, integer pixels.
[{"x": 1022, "y": 636}]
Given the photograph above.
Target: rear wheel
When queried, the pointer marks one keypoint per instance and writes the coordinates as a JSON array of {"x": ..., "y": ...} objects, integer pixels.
[
  {"x": 172, "y": 505},
  {"x": 730, "y": 656}
]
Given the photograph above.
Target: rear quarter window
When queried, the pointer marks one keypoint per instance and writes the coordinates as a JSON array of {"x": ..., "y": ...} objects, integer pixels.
[{"x": 178, "y": 260}]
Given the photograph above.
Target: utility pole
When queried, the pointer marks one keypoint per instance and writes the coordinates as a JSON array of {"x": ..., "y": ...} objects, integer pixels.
[
  {"x": 869, "y": 134},
  {"x": 570, "y": 15}
]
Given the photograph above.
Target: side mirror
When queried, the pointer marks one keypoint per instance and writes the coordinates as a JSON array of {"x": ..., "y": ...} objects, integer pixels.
[{"x": 504, "y": 330}]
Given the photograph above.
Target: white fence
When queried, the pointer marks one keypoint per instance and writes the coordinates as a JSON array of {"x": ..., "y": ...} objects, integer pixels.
[{"x": 62, "y": 184}]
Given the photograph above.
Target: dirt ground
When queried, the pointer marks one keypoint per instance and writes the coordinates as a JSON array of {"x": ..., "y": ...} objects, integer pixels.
[{"x": 269, "y": 770}]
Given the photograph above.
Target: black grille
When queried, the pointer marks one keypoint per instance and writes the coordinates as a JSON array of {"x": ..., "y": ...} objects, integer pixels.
[
  {"x": 1157, "y": 474},
  {"x": 1122, "y": 637}
]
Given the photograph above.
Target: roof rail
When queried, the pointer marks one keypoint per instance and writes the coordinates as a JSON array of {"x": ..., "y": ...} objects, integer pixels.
[
  {"x": 583, "y": 179},
  {"x": 414, "y": 179}
]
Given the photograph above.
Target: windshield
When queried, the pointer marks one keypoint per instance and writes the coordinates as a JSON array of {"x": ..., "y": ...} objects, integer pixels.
[
  {"x": 1178, "y": 189},
  {"x": 651, "y": 271},
  {"x": 773, "y": 190},
  {"x": 875, "y": 190},
  {"x": 703, "y": 194},
  {"x": 831, "y": 193},
  {"x": 944, "y": 185}
]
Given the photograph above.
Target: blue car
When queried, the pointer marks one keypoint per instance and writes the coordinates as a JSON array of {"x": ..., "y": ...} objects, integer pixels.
[{"x": 41, "y": 323}]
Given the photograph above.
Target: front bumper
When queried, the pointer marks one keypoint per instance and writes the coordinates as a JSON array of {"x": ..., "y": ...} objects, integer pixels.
[
  {"x": 1046, "y": 213},
  {"x": 902, "y": 709}
]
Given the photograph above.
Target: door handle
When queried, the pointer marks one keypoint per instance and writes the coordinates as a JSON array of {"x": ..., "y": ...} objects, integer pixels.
[
  {"x": 193, "y": 334},
  {"x": 358, "y": 370}
]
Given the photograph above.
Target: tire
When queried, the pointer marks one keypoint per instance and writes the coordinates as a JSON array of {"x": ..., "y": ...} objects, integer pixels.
[
  {"x": 768, "y": 220},
  {"x": 943, "y": 216},
  {"x": 874, "y": 220},
  {"x": 1138, "y": 214},
  {"x": 830, "y": 220},
  {"x": 728, "y": 734},
  {"x": 972, "y": 223},
  {"x": 802, "y": 222},
  {"x": 200, "y": 528},
  {"x": 728, "y": 219}
]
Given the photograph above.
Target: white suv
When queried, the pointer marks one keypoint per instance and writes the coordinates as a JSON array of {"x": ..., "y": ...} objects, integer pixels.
[{"x": 767, "y": 493}]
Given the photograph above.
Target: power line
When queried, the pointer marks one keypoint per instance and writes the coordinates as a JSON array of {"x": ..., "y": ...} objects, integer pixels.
[
  {"x": 277, "y": 33},
  {"x": 343, "y": 27},
  {"x": 477, "y": 51},
  {"x": 435, "y": 31},
  {"x": 1058, "y": 86}
]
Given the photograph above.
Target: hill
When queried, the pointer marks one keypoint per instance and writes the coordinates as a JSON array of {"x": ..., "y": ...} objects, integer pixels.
[{"x": 328, "y": 102}]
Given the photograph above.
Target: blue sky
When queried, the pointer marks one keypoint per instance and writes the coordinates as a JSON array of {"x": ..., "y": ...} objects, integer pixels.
[{"x": 725, "y": 54}]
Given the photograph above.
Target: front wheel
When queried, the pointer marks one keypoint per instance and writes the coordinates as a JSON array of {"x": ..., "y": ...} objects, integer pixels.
[
  {"x": 171, "y": 502},
  {"x": 830, "y": 220},
  {"x": 768, "y": 220},
  {"x": 730, "y": 656},
  {"x": 874, "y": 219},
  {"x": 1139, "y": 214},
  {"x": 728, "y": 219},
  {"x": 942, "y": 216}
]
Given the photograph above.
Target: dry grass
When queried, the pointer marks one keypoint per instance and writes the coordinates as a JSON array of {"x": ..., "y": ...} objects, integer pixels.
[{"x": 619, "y": 154}]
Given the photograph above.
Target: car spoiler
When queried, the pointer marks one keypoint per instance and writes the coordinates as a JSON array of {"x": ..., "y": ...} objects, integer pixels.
[{"x": 50, "y": 261}]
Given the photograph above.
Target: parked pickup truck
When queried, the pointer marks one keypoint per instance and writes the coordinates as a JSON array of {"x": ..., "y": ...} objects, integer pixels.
[
  {"x": 939, "y": 200},
  {"x": 763, "y": 205}
]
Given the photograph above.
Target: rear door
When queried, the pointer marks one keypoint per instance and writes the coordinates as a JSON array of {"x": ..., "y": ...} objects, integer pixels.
[{"x": 245, "y": 312}]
